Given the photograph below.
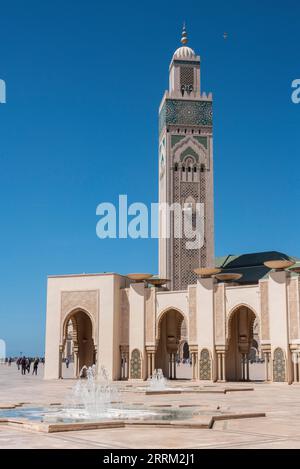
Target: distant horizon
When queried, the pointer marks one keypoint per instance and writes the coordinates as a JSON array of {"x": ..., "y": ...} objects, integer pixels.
[{"x": 79, "y": 126}]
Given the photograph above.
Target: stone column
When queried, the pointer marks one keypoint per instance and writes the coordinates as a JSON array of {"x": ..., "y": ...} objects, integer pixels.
[
  {"x": 242, "y": 366},
  {"x": 193, "y": 365},
  {"x": 170, "y": 366},
  {"x": 122, "y": 366},
  {"x": 152, "y": 362},
  {"x": 76, "y": 362},
  {"x": 223, "y": 366},
  {"x": 174, "y": 365},
  {"x": 219, "y": 368},
  {"x": 127, "y": 365},
  {"x": 247, "y": 368},
  {"x": 266, "y": 356},
  {"x": 60, "y": 361},
  {"x": 295, "y": 360},
  {"x": 95, "y": 355},
  {"x": 149, "y": 373}
]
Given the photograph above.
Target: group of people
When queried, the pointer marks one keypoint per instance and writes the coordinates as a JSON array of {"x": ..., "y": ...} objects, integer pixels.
[
  {"x": 24, "y": 363},
  {"x": 183, "y": 361}
]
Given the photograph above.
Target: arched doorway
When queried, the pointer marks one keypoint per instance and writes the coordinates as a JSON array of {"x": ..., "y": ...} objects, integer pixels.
[
  {"x": 78, "y": 343},
  {"x": 169, "y": 337},
  {"x": 242, "y": 355}
]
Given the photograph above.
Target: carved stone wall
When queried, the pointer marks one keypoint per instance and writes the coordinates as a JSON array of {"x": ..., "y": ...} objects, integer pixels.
[
  {"x": 150, "y": 316},
  {"x": 219, "y": 298},
  {"x": 124, "y": 318},
  {"x": 279, "y": 366},
  {"x": 188, "y": 185},
  {"x": 264, "y": 311},
  {"x": 87, "y": 300},
  {"x": 192, "y": 316},
  {"x": 293, "y": 305},
  {"x": 205, "y": 365}
]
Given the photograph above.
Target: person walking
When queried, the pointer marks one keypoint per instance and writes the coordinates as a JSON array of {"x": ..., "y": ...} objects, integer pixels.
[
  {"x": 23, "y": 365},
  {"x": 67, "y": 361},
  {"x": 35, "y": 366},
  {"x": 28, "y": 364}
]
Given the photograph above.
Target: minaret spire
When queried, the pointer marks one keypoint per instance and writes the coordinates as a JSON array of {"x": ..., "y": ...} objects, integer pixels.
[{"x": 184, "y": 38}]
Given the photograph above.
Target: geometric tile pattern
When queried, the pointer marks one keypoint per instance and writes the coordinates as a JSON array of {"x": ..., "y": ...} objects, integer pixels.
[
  {"x": 185, "y": 113},
  {"x": 279, "y": 373},
  {"x": 135, "y": 365},
  {"x": 205, "y": 365}
]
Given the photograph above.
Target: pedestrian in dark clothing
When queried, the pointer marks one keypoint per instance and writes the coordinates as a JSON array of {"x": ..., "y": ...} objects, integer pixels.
[
  {"x": 35, "y": 366},
  {"x": 28, "y": 364},
  {"x": 23, "y": 365}
]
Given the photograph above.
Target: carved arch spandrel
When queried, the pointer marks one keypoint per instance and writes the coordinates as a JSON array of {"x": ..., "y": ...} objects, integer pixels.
[{"x": 84, "y": 300}]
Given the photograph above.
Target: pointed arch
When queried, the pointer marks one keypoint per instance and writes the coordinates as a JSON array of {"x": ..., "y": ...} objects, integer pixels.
[
  {"x": 162, "y": 314},
  {"x": 231, "y": 314},
  {"x": 189, "y": 146}
]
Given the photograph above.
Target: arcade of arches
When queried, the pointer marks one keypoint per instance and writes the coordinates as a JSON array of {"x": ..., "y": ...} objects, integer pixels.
[{"x": 172, "y": 347}]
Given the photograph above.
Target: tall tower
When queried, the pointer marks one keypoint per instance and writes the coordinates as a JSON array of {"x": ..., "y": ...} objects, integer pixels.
[{"x": 185, "y": 167}]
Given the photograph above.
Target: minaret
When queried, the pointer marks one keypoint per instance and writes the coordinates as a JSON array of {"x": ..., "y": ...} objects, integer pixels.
[{"x": 185, "y": 167}]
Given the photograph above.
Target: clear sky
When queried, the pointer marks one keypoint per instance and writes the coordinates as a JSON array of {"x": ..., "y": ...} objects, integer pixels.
[{"x": 84, "y": 82}]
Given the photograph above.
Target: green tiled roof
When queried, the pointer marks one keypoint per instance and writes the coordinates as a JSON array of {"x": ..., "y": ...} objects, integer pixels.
[{"x": 251, "y": 266}]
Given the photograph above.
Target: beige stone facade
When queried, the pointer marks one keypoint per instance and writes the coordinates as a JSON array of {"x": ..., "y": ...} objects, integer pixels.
[{"x": 132, "y": 328}]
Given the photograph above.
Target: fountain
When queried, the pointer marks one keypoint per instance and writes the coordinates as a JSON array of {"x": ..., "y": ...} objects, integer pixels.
[
  {"x": 95, "y": 403},
  {"x": 157, "y": 382},
  {"x": 96, "y": 398},
  {"x": 92, "y": 397}
]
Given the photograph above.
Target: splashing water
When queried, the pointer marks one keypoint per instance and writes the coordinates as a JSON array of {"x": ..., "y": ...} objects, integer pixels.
[
  {"x": 94, "y": 396},
  {"x": 157, "y": 382}
]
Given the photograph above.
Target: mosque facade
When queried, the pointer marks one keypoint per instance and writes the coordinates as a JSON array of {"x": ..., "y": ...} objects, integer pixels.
[{"x": 218, "y": 314}]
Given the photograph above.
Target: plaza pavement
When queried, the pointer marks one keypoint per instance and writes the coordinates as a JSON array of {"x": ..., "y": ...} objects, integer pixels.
[{"x": 279, "y": 429}]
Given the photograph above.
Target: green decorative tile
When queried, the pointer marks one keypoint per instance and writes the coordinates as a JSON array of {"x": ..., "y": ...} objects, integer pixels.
[{"x": 182, "y": 112}]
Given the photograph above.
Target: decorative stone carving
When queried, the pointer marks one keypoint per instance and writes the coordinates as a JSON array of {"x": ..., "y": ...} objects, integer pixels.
[
  {"x": 87, "y": 300},
  {"x": 124, "y": 318},
  {"x": 192, "y": 315},
  {"x": 279, "y": 366},
  {"x": 292, "y": 291},
  {"x": 219, "y": 315},
  {"x": 136, "y": 364},
  {"x": 205, "y": 365},
  {"x": 150, "y": 316},
  {"x": 264, "y": 308}
]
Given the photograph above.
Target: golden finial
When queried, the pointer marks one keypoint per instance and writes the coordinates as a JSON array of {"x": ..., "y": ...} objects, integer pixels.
[{"x": 184, "y": 38}]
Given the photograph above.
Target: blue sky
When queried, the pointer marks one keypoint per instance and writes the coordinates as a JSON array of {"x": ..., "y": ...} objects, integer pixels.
[{"x": 84, "y": 82}]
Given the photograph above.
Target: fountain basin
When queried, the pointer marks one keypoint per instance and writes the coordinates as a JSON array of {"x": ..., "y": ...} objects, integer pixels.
[{"x": 32, "y": 419}]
